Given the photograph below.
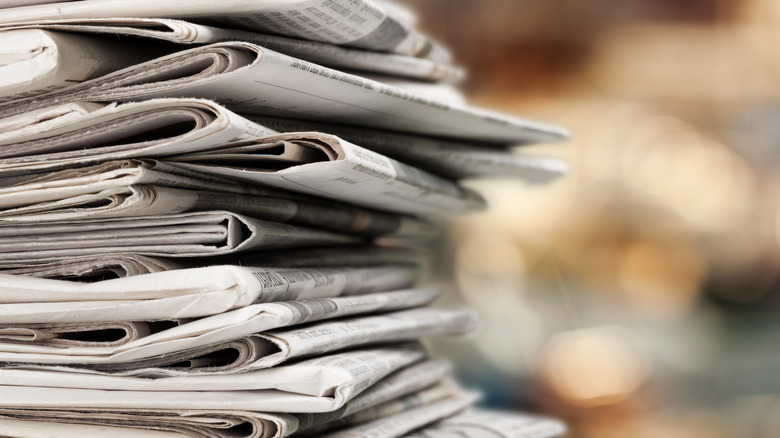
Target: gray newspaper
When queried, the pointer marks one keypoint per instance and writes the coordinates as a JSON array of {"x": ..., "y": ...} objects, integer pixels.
[
  {"x": 186, "y": 340},
  {"x": 194, "y": 234},
  {"x": 186, "y": 293},
  {"x": 481, "y": 423},
  {"x": 449, "y": 158},
  {"x": 360, "y": 23},
  {"x": 126, "y": 265},
  {"x": 202, "y": 137},
  {"x": 321, "y": 384},
  {"x": 50, "y": 44},
  {"x": 218, "y": 424},
  {"x": 124, "y": 188},
  {"x": 251, "y": 79}
]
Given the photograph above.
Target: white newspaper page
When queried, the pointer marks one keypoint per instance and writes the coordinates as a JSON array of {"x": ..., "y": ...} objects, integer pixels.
[
  {"x": 96, "y": 268},
  {"x": 108, "y": 266},
  {"x": 228, "y": 424},
  {"x": 209, "y": 332},
  {"x": 448, "y": 158},
  {"x": 443, "y": 390},
  {"x": 360, "y": 23},
  {"x": 181, "y": 235},
  {"x": 399, "y": 385},
  {"x": 152, "y": 200},
  {"x": 250, "y": 79},
  {"x": 352, "y": 173},
  {"x": 142, "y": 129},
  {"x": 148, "y": 187},
  {"x": 36, "y": 61},
  {"x": 270, "y": 349},
  {"x": 314, "y": 163},
  {"x": 481, "y": 423},
  {"x": 404, "y": 422},
  {"x": 330, "y": 55},
  {"x": 186, "y": 293},
  {"x": 39, "y": 425},
  {"x": 330, "y": 336},
  {"x": 321, "y": 384}
]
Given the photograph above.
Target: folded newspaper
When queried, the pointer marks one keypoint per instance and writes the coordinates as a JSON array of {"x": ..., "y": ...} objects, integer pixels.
[
  {"x": 106, "y": 266},
  {"x": 54, "y": 43},
  {"x": 194, "y": 234},
  {"x": 203, "y": 137},
  {"x": 360, "y": 23},
  {"x": 126, "y": 188},
  {"x": 448, "y": 158},
  {"x": 481, "y": 423},
  {"x": 321, "y": 384},
  {"x": 392, "y": 389},
  {"x": 42, "y": 345},
  {"x": 186, "y": 293},
  {"x": 266, "y": 349},
  {"x": 248, "y": 78},
  {"x": 37, "y": 61}
]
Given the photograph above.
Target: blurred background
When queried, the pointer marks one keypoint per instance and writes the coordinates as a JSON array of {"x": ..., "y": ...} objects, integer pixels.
[{"x": 637, "y": 297}]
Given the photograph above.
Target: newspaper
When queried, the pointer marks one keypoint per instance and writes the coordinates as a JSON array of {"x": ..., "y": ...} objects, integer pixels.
[
  {"x": 352, "y": 174},
  {"x": 269, "y": 349},
  {"x": 142, "y": 129},
  {"x": 94, "y": 268},
  {"x": 448, "y": 158},
  {"x": 321, "y": 384},
  {"x": 148, "y": 187},
  {"x": 185, "y": 293},
  {"x": 359, "y": 23},
  {"x": 103, "y": 267},
  {"x": 44, "y": 119},
  {"x": 399, "y": 424},
  {"x": 219, "y": 424},
  {"x": 37, "y": 424},
  {"x": 110, "y": 334},
  {"x": 187, "y": 339},
  {"x": 480, "y": 423},
  {"x": 248, "y": 78},
  {"x": 176, "y": 235},
  {"x": 366, "y": 255},
  {"x": 37, "y": 61},
  {"x": 183, "y": 32},
  {"x": 313, "y": 163},
  {"x": 400, "y": 384},
  {"x": 443, "y": 389}
]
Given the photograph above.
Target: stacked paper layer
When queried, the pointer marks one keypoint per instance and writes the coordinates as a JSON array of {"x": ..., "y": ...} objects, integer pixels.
[{"x": 208, "y": 214}]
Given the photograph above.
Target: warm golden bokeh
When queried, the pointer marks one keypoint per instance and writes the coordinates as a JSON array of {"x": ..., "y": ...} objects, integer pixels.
[{"x": 638, "y": 296}]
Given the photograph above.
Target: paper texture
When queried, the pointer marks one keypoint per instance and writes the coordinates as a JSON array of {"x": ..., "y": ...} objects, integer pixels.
[
  {"x": 188, "y": 340},
  {"x": 480, "y": 423},
  {"x": 360, "y": 23},
  {"x": 148, "y": 187},
  {"x": 185, "y": 293},
  {"x": 36, "y": 61},
  {"x": 220, "y": 424},
  {"x": 182, "y": 32},
  {"x": 320, "y": 384},
  {"x": 107, "y": 266},
  {"x": 448, "y": 158},
  {"x": 399, "y": 424},
  {"x": 205, "y": 138},
  {"x": 248, "y": 78},
  {"x": 181, "y": 235}
]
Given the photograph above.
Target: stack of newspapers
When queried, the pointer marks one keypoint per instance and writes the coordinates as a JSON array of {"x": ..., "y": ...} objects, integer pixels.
[{"x": 208, "y": 219}]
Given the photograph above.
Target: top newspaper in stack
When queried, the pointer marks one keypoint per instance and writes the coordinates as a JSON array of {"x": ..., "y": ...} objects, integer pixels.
[{"x": 361, "y": 23}]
